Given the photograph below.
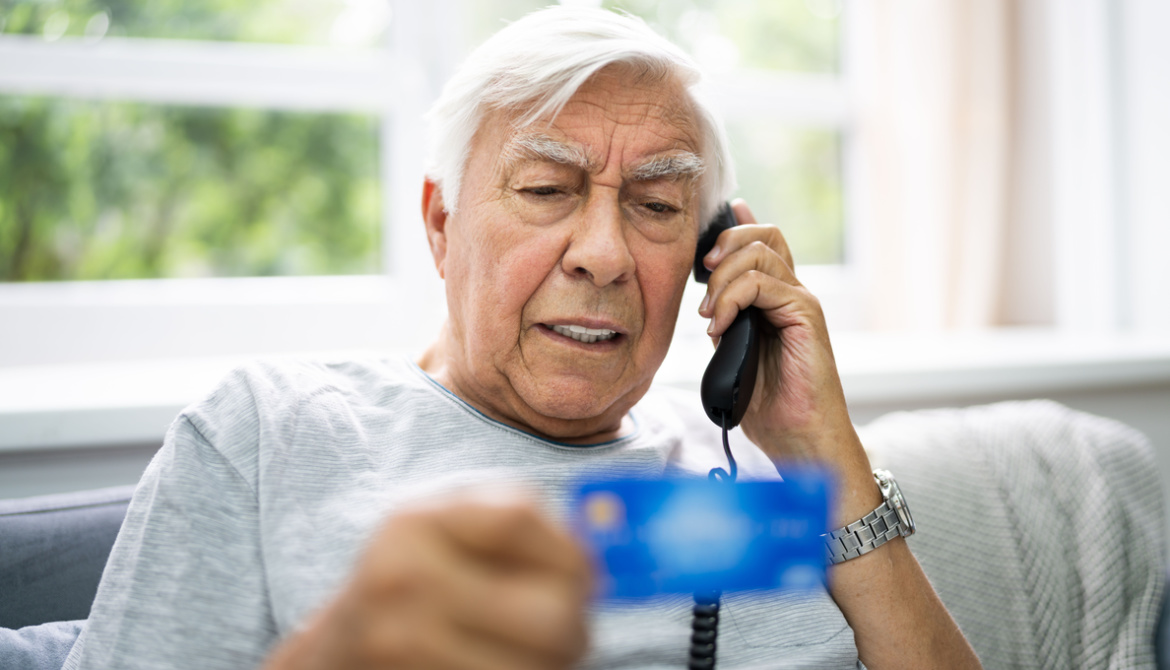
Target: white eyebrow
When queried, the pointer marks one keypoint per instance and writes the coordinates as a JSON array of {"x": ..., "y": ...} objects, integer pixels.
[
  {"x": 543, "y": 147},
  {"x": 679, "y": 165},
  {"x": 675, "y": 166}
]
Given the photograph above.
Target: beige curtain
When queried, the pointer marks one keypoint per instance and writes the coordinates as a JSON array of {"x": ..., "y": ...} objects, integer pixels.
[{"x": 934, "y": 151}]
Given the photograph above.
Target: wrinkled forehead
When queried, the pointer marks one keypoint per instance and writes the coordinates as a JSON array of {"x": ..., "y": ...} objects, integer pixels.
[{"x": 656, "y": 116}]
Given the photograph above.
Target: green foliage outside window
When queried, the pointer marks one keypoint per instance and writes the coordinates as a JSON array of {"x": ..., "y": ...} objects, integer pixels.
[
  {"x": 792, "y": 178},
  {"x": 125, "y": 190},
  {"x": 480, "y": 20},
  {"x": 792, "y": 35},
  {"x": 275, "y": 21}
]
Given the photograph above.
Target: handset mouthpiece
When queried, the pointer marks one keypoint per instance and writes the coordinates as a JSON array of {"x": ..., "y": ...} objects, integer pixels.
[{"x": 730, "y": 378}]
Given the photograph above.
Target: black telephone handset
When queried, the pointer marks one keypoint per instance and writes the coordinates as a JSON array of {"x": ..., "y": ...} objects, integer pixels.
[
  {"x": 730, "y": 377},
  {"x": 726, "y": 391}
]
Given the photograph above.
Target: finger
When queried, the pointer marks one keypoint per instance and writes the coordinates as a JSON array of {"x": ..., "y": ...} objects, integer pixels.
[
  {"x": 422, "y": 638},
  {"x": 514, "y": 536},
  {"x": 425, "y": 582},
  {"x": 513, "y": 532},
  {"x": 734, "y": 239},
  {"x": 534, "y": 584},
  {"x": 782, "y": 303},
  {"x": 754, "y": 256},
  {"x": 487, "y": 653},
  {"x": 536, "y": 612}
]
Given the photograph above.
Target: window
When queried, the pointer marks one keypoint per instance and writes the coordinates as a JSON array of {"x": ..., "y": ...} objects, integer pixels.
[
  {"x": 344, "y": 23},
  {"x": 127, "y": 190},
  {"x": 230, "y": 177}
]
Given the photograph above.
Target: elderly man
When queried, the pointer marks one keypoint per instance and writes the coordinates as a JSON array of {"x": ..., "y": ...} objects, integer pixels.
[{"x": 296, "y": 518}]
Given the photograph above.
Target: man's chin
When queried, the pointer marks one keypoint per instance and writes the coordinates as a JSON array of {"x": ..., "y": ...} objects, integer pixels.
[{"x": 576, "y": 408}]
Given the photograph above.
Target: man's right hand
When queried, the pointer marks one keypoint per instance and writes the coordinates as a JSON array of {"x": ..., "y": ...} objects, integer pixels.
[{"x": 465, "y": 585}]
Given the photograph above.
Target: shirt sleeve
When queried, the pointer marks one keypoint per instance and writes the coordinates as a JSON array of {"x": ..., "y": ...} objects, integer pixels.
[
  {"x": 184, "y": 586},
  {"x": 41, "y": 647}
]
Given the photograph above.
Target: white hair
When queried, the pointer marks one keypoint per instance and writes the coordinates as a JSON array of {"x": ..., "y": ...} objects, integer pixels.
[{"x": 535, "y": 65}]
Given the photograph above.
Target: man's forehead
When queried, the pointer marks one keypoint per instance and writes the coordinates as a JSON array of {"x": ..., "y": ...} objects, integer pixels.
[{"x": 655, "y": 115}]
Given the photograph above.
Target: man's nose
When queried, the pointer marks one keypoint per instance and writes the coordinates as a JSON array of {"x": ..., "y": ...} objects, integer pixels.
[{"x": 598, "y": 249}]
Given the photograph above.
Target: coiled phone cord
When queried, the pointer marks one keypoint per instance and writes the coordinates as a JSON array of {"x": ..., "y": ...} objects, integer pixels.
[
  {"x": 719, "y": 474},
  {"x": 705, "y": 623}
]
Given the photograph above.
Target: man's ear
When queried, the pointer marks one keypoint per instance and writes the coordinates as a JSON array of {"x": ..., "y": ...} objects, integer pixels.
[{"x": 435, "y": 218}]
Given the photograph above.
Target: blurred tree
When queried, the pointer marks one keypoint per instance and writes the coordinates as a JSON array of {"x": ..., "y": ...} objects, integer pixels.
[
  {"x": 792, "y": 35},
  {"x": 278, "y": 21},
  {"x": 480, "y": 20},
  {"x": 100, "y": 190},
  {"x": 93, "y": 190},
  {"x": 792, "y": 177},
  {"x": 104, "y": 190}
]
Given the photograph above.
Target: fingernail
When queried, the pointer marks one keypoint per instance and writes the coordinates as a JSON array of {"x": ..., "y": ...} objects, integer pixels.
[
  {"x": 706, "y": 299},
  {"x": 711, "y": 326},
  {"x": 713, "y": 254}
]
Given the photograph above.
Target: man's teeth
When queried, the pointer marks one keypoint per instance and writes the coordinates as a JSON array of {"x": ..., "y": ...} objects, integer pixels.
[{"x": 583, "y": 334}]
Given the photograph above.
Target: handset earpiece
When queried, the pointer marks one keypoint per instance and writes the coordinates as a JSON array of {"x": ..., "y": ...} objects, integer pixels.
[{"x": 730, "y": 378}]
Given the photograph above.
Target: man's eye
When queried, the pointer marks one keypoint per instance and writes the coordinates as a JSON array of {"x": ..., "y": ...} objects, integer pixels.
[
  {"x": 543, "y": 190},
  {"x": 659, "y": 208}
]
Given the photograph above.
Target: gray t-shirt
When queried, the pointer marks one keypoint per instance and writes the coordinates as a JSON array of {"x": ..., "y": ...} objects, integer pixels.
[{"x": 255, "y": 510}]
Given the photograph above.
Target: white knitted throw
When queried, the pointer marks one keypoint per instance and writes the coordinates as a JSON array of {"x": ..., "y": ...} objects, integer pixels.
[{"x": 1040, "y": 527}]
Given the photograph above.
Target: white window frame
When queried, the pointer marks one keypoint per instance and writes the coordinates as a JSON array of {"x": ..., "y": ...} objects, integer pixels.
[{"x": 400, "y": 309}]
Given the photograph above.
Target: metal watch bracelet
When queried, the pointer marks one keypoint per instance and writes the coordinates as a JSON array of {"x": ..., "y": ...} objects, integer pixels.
[{"x": 891, "y": 519}]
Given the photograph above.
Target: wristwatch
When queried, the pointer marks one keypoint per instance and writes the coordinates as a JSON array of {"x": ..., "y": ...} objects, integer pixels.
[{"x": 890, "y": 519}]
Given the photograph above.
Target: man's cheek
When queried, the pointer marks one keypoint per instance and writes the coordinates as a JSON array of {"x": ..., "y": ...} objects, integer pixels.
[
  {"x": 663, "y": 295},
  {"x": 664, "y": 282},
  {"x": 529, "y": 263}
]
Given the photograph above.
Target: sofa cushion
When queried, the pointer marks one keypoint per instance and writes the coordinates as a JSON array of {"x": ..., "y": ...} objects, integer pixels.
[
  {"x": 42, "y": 647},
  {"x": 52, "y": 552},
  {"x": 1040, "y": 527}
]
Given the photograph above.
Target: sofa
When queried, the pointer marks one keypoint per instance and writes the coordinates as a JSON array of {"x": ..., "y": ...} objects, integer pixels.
[
  {"x": 52, "y": 552},
  {"x": 1040, "y": 527}
]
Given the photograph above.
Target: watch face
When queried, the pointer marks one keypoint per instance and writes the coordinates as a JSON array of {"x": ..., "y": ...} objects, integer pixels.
[
  {"x": 893, "y": 495},
  {"x": 903, "y": 511}
]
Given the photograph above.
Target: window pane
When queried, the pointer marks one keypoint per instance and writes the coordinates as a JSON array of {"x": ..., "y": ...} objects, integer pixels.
[
  {"x": 101, "y": 190},
  {"x": 792, "y": 177},
  {"x": 315, "y": 22},
  {"x": 480, "y": 19},
  {"x": 794, "y": 35}
]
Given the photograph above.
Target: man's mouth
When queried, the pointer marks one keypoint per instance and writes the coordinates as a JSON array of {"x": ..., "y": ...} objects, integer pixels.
[{"x": 583, "y": 334}]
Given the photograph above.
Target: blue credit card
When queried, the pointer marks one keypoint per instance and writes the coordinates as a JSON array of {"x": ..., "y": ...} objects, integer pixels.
[{"x": 687, "y": 535}]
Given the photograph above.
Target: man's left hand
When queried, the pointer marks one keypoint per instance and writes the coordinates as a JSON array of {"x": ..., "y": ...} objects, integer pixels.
[{"x": 798, "y": 409}]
